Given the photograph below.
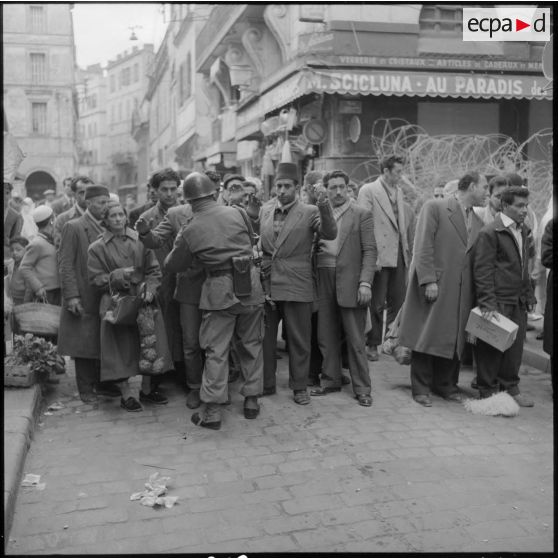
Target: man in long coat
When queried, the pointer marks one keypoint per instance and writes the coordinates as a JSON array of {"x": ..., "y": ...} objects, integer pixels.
[
  {"x": 440, "y": 290},
  {"x": 79, "y": 331},
  {"x": 166, "y": 182},
  {"x": 287, "y": 228},
  {"x": 78, "y": 186},
  {"x": 13, "y": 221}
]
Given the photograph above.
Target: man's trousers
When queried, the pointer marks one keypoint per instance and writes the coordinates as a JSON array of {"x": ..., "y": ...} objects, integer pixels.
[
  {"x": 497, "y": 370},
  {"x": 332, "y": 320},
  {"x": 190, "y": 322},
  {"x": 216, "y": 331},
  {"x": 297, "y": 317},
  {"x": 430, "y": 373},
  {"x": 388, "y": 291}
]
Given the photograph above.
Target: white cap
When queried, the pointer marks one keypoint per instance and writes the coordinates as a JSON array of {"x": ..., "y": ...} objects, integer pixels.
[{"x": 41, "y": 213}]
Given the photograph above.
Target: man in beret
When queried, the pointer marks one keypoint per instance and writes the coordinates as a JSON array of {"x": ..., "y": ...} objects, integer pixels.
[
  {"x": 79, "y": 332},
  {"x": 39, "y": 267},
  {"x": 287, "y": 228},
  {"x": 78, "y": 186}
]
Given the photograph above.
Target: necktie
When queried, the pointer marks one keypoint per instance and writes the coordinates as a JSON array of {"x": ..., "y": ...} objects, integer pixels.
[{"x": 468, "y": 220}]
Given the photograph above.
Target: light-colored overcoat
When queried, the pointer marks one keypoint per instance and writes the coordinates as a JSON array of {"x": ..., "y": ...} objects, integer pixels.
[
  {"x": 287, "y": 259},
  {"x": 441, "y": 255},
  {"x": 387, "y": 228}
]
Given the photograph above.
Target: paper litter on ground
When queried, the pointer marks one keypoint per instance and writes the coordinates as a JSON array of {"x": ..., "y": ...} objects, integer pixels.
[{"x": 154, "y": 495}]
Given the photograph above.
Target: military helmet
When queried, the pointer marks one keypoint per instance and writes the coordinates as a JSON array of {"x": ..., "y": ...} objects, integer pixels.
[{"x": 197, "y": 185}]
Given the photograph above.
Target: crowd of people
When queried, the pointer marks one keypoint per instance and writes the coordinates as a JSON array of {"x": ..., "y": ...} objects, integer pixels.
[{"x": 208, "y": 271}]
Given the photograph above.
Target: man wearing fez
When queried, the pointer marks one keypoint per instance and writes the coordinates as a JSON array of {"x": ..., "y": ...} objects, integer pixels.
[
  {"x": 501, "y": 276},
  {"x": 440, "y": 290},
  {"x": 287, "y": 228},
  {"x": 166, "y": 183},
  {"x": 79, "y": 332}
]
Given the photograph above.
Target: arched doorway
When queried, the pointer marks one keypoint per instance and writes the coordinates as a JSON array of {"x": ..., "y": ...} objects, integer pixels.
[{"x": 37, "y": 182}]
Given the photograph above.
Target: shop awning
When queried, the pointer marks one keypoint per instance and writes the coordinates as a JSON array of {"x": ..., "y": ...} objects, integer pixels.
[
  {"x": 398, "y": 83},
  {"x": 431, "y": 84}
]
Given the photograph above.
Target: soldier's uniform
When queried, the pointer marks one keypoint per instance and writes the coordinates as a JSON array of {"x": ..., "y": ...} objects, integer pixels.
[{"x": 215, "y": 235}]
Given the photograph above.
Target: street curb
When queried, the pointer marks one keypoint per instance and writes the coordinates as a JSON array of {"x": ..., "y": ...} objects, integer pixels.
[
  {"x": 536, "y": 359},
  {"x": 19, "y": 425}
]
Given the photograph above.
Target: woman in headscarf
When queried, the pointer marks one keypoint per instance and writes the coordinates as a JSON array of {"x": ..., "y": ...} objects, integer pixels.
[{"x": 118, "y": 262}]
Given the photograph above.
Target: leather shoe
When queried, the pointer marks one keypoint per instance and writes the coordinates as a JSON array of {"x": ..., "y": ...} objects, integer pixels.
[
  {"x": 269, "y": 390},
  {"x": 313, "y": 382},
  {"x": 193, "y": 400},
  {"x": 301, "y": 397},
  {"x": 324, "y": 390},
  {"x": 523, "y": 400},
  {"x": 198, "y": 421},
  {"x": 132, "y": 405},
  {"x": 364, "y": 399},
  {"x": 88, "y": 397},
  {"x": 423, "y": 400},
  {"x": 251, "y": 407},
  {"x": 153, "y": 397},
  {"x": 372, "y": 353},
  {"x": 455, "y": 396}
]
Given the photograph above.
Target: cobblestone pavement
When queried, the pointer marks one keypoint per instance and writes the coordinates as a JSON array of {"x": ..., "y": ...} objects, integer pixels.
[{"x": 330, "y": 476}]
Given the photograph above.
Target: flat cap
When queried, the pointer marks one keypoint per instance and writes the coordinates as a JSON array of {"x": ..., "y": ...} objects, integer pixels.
[{"x": 94, "y": 190}]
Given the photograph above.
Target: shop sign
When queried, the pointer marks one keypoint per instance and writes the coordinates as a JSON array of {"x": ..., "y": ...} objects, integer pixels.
[
  {"x": 315, "y": 42},
  {"x": 438, "y": 63},
  {"x": 428, "y": 84},
  {"x": 350, "y": 107}
]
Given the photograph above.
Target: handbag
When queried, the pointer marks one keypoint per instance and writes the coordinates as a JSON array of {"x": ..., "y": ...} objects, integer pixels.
[{"x": 123, "y": 309}]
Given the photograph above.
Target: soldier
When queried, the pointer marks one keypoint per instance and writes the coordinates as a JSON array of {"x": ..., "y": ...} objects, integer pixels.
[{"x": 218, "y": 239}]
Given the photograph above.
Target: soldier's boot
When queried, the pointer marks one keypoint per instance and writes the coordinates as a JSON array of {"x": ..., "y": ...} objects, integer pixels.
[{"x": 210, "y": 417}]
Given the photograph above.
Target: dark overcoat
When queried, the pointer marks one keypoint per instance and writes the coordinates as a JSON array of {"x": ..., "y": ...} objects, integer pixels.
[
  {"x": 78, "y": 336},
  {"x": 441, "y": 254}
]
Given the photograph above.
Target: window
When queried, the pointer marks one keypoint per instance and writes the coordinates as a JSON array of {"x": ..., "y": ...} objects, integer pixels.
[
  {"x": 37, "y": 18},
  {"x": 112, "y": 84},
  {"x": 38, "y": 67},
  {"x": 125, "y": 77},
  {"x": 39, "y": 118},
  {"x": 185, "y": 79},
  {"x": 136, "y": 73},
  {"x": 446, "y": 19}
]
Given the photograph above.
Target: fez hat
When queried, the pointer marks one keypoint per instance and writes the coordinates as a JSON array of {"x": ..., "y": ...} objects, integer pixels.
[
  {"x": 287, "y": 170},
  {"x": 42, "y": 214},
  {"x": 94, "y": 190},
  {"x": 228, "y": 177}
]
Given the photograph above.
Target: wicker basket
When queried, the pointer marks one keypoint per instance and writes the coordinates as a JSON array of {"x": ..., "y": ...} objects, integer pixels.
[{"x": 37, "y": 318}]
